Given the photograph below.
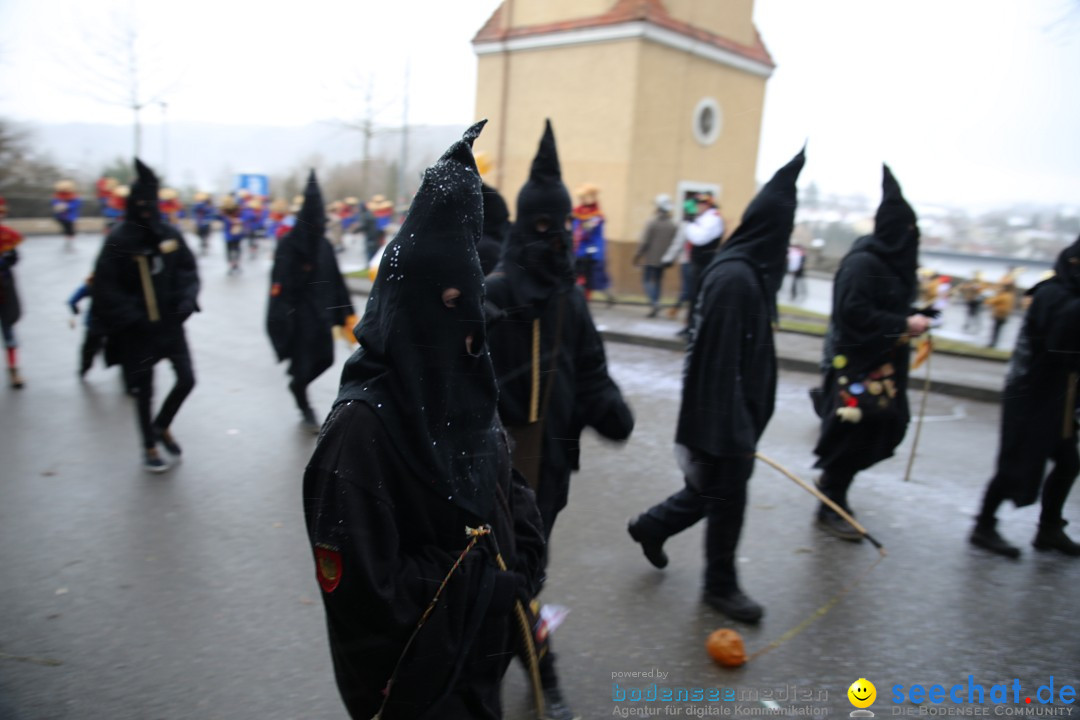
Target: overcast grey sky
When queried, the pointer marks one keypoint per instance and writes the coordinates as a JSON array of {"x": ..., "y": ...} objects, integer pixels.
[{"x": 970, "y": 101}]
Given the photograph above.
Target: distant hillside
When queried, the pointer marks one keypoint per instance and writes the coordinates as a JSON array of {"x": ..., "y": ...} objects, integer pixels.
[{"x": 207, "y": 154}]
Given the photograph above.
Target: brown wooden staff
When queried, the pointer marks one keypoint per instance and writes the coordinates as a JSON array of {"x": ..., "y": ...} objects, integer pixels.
[{"x": 821, "y": 496}]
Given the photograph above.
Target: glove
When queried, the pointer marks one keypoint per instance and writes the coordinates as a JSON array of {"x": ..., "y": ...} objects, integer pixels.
[{"x": 929, "y": 311}]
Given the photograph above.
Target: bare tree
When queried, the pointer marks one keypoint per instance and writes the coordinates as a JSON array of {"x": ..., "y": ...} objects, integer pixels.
[{"x": 116, "y": 66}]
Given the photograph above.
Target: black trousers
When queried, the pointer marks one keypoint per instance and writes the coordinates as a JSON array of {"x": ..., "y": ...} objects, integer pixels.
[
  {"x": 140, "y": 380},
  {"x": 1055, "y": 490},
  {"x": 715, "y": 490},
  {"x": 92, "y": 344}
]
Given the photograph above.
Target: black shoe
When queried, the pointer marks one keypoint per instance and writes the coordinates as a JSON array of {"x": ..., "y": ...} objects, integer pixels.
[
  {"x": 309, "y": 423},
  {"x": 829, "y": 521},
  {"x": 1051, "y": 536},
  {"x": 985, "y": 535},
  {"x": 152, "y": 462},
  {"x": 736, "y": 605},
  {"x": 168, "y": 442},
  {"x": 555, "y": 708},
  {"x": 652, "y": 546}
]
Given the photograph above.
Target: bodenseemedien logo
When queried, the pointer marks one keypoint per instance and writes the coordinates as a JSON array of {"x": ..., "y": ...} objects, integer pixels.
[{"x": 862, "y": 694}]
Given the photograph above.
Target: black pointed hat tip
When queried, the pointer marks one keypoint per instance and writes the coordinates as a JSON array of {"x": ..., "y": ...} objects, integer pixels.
[{"x": 474, "y": 132}]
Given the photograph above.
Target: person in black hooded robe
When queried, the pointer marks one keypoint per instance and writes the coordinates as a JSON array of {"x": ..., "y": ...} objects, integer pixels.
[
  {"x": 496, "y": 229},
  {"x": 729, "y": 390},
  {"x": 548, "y": 355},
  {"x": 146, "y": 285},
  {"x": 1039, "y": 415},
  {"x": 412, "y": 454},
  {"x": 867, "y": 351},
  {"x": 308, "y": 298}
]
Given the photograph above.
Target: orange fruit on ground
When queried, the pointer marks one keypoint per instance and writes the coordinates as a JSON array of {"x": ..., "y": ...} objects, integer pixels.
[{"x": 726, "y": 647}]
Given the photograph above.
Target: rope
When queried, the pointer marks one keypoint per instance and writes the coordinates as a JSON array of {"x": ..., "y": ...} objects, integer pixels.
[
  {"x": 817, "y": 614},
  {"x": 474, "y": 534}
]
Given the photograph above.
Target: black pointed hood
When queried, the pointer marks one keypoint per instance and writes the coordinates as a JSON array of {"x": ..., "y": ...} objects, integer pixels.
[
  {"x": 142, "y": 206},
  {"x": 764, "y": 233},
  {"x": 412, "y": 368},
  {"x": 896, "y": 231},
  {"x": 1067, "y": 267},
  {"x": 310, "y": 226},
  {"x": 537, "y": 257}
]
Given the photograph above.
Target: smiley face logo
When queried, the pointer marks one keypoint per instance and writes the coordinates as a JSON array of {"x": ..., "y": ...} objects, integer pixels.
[{"x": 862, "y": 693}]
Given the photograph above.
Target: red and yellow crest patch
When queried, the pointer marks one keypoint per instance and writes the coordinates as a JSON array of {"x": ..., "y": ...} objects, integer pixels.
[
  {"x": 275, "y": 289},
  {"x": 328, "y": 567}
]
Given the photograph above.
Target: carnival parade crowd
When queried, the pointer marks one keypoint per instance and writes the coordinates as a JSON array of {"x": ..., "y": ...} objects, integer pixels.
[{"x": 441, "y": 469}]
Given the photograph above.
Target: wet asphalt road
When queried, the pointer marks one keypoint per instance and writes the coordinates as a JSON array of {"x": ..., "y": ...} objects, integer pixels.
[{"x": 192, "y": 595}]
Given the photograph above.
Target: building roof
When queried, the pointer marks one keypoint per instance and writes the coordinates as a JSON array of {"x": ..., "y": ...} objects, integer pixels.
[{"x": 625, "y": 11}]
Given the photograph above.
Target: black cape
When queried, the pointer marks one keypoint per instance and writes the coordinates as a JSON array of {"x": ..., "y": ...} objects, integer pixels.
[
  {"x": 872, "y": 295},
  {"x": 729, "y": 375},
  {"x": 308, "y": 296},
  {"x": 411, "y": 455},
  {"x": 496, "y": 229},
  {"x": 534, "y": 281},
  {"x": 389, "y": 541},
  {"x": 1035, "y": 414},
  {"x": 119, "y": 310}
]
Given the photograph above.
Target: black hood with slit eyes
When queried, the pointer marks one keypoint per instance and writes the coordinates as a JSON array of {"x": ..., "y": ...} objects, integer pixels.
[
  {"x": 437, "y": 401},
  {"x": 142, "y": 227},
  {"x": 539, "y": 263}
]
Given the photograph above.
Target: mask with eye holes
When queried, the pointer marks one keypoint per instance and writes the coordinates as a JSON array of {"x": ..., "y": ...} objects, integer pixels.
[
  {"x": 141, "y": 209},
  {"x": 538, "y": 257},
  {"x": 422, "y": 361}
]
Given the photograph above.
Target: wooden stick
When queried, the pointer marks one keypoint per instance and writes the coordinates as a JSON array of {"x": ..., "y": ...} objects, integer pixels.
[
  {"x": 922, "y": 411},
  {"x": 148, "y": 289},
  {"x": 820, "y": 496},
  {"x": 531, "y": 657}
]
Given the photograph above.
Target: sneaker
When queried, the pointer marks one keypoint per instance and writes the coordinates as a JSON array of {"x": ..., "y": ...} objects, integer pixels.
[
  {"x": 1051, "y": 536},
  {"x": 736, "y": 605},
  {"x": 654, "y": 311},
  {"x": 16, "y": 379},
  {"x": 985, "y": 535},
  {"x": 829, "y": 521},
  {"x": 652, "y": 546},
  {"x": 555, "y": 708},
  {"x": 168, "y": 442},
  {"x": 152, "y": 462}
]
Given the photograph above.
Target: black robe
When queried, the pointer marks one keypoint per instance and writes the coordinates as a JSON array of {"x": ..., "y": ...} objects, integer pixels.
[
  {"x": 393, "y": 539},
  {"x": 584, "y": 394},
  {"x": 119, "y": 309},
  {"x": 307, "y": 299},
  {"x": 729, "y": 374},
  {"x": 871, "y": 303},
  {"x": 496, "y": 229},
  {"x": 1035, "y": 414}
]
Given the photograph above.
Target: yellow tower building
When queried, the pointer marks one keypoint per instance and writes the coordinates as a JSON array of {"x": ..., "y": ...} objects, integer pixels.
[{"x": 645, "y": 97}]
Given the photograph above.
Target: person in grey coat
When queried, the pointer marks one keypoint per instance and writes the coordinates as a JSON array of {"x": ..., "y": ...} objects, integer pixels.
[{"x": 655, "y": 240}]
